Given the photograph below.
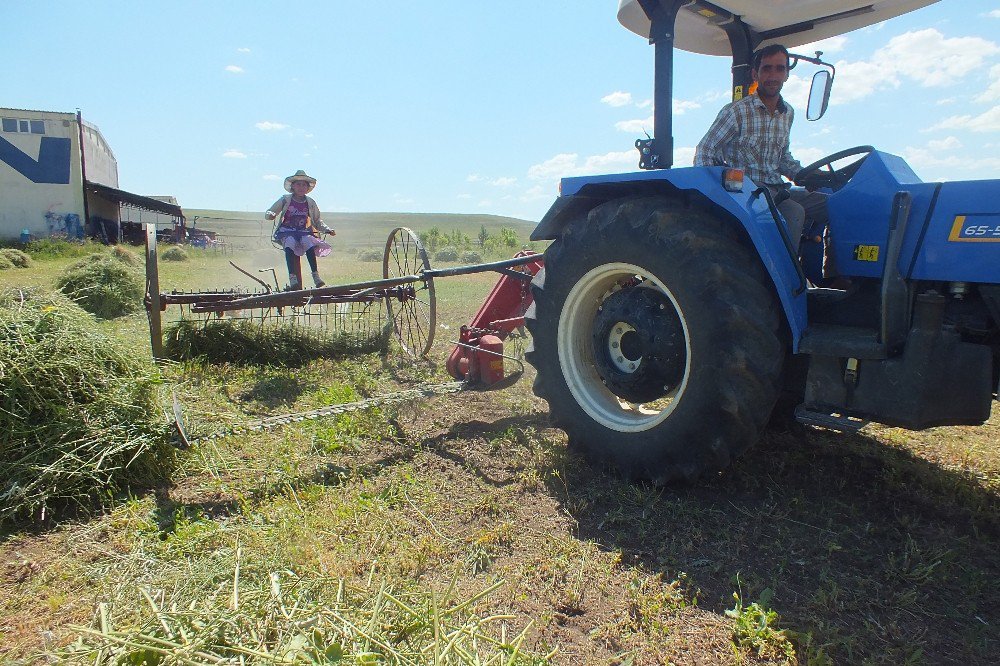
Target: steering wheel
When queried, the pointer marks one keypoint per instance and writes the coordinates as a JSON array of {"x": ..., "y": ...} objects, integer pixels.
[{"x": 812, "y": 178}]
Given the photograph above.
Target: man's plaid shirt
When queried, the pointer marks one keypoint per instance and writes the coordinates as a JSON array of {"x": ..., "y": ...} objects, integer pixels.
[{"x": 747, "y": 136}]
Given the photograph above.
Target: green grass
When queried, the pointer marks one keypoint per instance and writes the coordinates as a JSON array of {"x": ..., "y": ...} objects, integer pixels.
[{"x": 879, "y": 547}]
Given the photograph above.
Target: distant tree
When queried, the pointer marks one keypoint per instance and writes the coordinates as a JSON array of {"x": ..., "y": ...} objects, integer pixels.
[
  {"x": 483, "y": 236},
  {"x": 430, "y": 238},
  {"x": 509, "y": 237}
]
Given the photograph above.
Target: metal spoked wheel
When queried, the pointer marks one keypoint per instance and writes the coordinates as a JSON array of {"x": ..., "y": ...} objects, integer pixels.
[{"x": 412, "y": 307}]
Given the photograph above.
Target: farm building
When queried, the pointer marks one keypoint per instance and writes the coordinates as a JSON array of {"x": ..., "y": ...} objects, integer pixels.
[{"x": 59, "y": 177}]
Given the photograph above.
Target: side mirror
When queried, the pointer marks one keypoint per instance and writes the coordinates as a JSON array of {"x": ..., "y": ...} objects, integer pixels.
[{"x": 819, "y": 94}]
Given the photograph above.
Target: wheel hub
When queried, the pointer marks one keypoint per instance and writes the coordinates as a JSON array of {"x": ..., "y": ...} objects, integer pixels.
[{"x": 638, "y": 344}]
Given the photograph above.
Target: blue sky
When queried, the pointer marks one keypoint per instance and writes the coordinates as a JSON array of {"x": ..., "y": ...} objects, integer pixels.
[{"x": 448, "y": 106}]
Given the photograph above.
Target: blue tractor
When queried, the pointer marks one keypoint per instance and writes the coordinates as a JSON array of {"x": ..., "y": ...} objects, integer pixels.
[{"x": 673, "y": 313}]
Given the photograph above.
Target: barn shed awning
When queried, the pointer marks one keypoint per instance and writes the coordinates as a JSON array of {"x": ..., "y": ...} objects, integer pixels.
[{"x": 134, "y": 200}]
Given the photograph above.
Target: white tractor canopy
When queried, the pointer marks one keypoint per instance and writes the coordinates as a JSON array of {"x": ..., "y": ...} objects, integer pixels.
[{"x": 788, "y": 22}]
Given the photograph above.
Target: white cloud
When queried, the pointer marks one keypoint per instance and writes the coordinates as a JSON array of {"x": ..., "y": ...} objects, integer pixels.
[
  {"x": 992, "y": 93},
  {"x": 243, "y": 50},
  {"x": 235, "y": 69},
  {"x": 538, "y": 192},
  {"x": 829, "y": 45},
  {"x": 950, "y": 143},
  {"x": 796, "y": 91},
  {"x": 485, "y": 203},
  {"x": 640, "y": 125},
  {"x": 807, "y": 154},
  {"x": 682, "y": 105},
  {"x": 984, "y": 122},
  {"x": 924, "y": 56},
  {"x": 271, "y": 176},
  {"x": 945, "y": 101},
  {"x": 635, "y": 126},
  {"x": 474, "y": 178},
  {"x": 503, "y": 181},
  {"x": 932, "y": 59},
  {"x": 923, "y": 159},
  {"x": 234, "y": 154},
  {"x": 617, "y": 98},
  {"x": 268, "y": 126},
  {"x": 684, "y": 156},
  {"x": 463, "y": 196},
  {"x": 644, "y": 104},
  {"x": 569, "y": 164},
  {"x": 994, "y": 14}
]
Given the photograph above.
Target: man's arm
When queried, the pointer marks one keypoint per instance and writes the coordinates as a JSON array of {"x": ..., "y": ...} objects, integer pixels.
[
  {"x": 788, "y": 166},
  {"x": 711, "y": 150}
]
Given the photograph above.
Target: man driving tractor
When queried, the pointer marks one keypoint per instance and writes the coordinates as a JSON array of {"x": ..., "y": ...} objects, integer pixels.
[{"x": 752, "y": 134}]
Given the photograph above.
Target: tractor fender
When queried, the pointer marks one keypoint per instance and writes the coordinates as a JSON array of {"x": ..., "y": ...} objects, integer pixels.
[{"x": 700, "y": 187}]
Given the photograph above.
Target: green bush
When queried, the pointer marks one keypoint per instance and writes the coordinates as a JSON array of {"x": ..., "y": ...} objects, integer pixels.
[
  {"x": 16, "y": 257},
  {"x": 52, "y": 248},
  {"x": 471, "y": 257},
  {"x": 174, "y": 254},
  {"x": 79, "y": 414},
  {"x": 103, "y": 286},
  {"x": 449, "y": 253},
  {"x": 370, "y": 255}
]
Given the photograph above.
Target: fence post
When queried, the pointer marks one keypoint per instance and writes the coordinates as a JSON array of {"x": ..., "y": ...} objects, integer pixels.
[{"x": 153, "y": 294}]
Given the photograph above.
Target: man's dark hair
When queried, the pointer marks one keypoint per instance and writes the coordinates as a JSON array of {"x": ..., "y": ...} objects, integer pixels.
[{"x": 768, "y": 51}]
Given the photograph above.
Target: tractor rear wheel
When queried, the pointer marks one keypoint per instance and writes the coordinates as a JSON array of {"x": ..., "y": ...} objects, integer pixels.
[{"x": 657, "y": 339}]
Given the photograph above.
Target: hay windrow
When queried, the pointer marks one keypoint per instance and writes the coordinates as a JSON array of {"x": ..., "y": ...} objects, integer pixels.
[
  {"x": 125, "y": 255},
  {"x": 174, "y": 254},
  {"x": 79, "y": 415},
  {"x": 5, "y": 263},
  {"x": 16, "y": 257},
  {"x": 250, "y": 343},
  {"x": 103, "y": 285}
]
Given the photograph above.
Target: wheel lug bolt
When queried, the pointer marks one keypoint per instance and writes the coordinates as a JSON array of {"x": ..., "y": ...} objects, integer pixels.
[
  {"x": 621, "y": 359},
  {"x": 614, "y": 344}
]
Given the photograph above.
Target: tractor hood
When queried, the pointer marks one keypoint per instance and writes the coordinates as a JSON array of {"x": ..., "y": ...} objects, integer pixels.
[{"x": 789, "y": 22}]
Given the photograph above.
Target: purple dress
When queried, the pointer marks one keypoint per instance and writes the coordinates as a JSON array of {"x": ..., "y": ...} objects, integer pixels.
[{"x": 297, "y": 232}]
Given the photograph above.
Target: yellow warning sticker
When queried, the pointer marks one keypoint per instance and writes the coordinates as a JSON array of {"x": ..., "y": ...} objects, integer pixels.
[
  {"x": 866, "y": 253},
  {"x": 737, "y": 93}
]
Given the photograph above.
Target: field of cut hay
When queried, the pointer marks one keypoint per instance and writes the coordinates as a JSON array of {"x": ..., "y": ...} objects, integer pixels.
[{"x": 456, "y": 529}]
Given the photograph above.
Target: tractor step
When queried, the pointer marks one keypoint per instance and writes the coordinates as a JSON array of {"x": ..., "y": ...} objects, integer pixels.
[
  {"x": 842, "y": 341},
  {"x": 837, "y": 422}
]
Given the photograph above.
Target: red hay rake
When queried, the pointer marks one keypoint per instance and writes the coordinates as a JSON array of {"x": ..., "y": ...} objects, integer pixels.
[{"x": 402, "y": 303}]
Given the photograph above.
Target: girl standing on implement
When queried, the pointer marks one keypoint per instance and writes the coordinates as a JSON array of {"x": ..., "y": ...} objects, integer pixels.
[{"x": 298, "y": 228}]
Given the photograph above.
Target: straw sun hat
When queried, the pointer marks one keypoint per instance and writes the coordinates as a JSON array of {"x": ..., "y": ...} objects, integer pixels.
[{"x": 299, "y": 175}]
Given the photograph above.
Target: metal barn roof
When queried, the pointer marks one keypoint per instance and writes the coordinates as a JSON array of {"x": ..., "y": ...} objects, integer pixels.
[{"x": 134, "y": 200}]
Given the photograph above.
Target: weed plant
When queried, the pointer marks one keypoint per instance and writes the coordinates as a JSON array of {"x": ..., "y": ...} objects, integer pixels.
[
  {"x": 79, "y": 420},
  {"x": 103, "y": 285},
  {"x": 249, "y": 343}
]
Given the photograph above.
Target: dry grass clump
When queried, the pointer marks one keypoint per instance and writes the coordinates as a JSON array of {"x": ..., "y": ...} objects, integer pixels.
[
  {"x": 250, "y": 343},
  {"x": 79, "y": 420},
  {"x": 289, "y": 619},
  {"x": 103, "y": 285},
  {"x": 174, "y": 254},
  {"x": 15, "y": 257},
  {"x": 125, "y": 255},
  {"x": 5, "y": 263}
]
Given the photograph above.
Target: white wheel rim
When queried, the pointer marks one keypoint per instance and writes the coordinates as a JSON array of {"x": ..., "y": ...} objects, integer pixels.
[{"x": 575, "y": 349}]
